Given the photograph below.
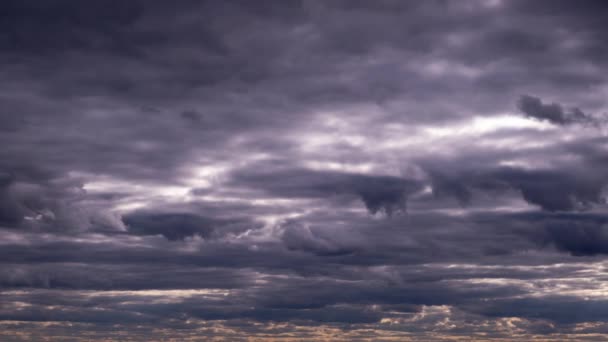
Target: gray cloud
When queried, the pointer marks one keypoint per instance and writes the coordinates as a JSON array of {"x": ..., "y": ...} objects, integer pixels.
[
  {"x": 378, "y": 193},
  {"x": 177, "y": 226},
  {"x": 533, "y": 107},
  {"x": 552, "y": 189},
  {"x": 216, "y": 169}
]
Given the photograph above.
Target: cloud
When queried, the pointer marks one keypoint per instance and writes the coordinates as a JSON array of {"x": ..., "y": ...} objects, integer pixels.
[
  {"x": 554, "y": 190},
  {"x": 533, "y": 107},
  {"x": 378, "y": 193},
  {"x": 580, "y": 234},
  {"x": 215, "y": 170},
  {"x": 32, "y": 27},
  {"x": 51, "y": 204},
  {"x": 551, "y": 190},
  {"x": 579, "y": 240},
  {"x": 178, "y": 226},
  {"x": 560, "y": 310}
]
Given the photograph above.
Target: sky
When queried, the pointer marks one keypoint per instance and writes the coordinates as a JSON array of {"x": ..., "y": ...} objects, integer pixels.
[{"x": 307, "y": 170}]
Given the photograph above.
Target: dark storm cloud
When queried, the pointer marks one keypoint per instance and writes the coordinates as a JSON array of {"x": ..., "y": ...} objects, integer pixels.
[
  {"x": 579, "y": 239},
  {"x": 559, "y": 310},
  {"x": 126, "y": 277},
  {"x": 178, "y": 226},
  {"x": 580, "y": 234},
  {"x": 378, "y": 193},
  {"x": 307, "y": 244},
  {"x": 213, "y": 168},
  {"x": 326, "y": 283},
  {"x": 10, "y": 213},
  {"x": 533, "y": 107},
  {"x": 552, "y": 190},
  {"x": 30, "y": 26},
  {"x": 48, "y": 204}
]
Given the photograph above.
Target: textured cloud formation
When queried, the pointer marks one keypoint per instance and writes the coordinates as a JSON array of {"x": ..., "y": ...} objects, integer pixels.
[
  {"x": 534, "y": 108},
  {"x": 386, "y": 193},
  {"x": 303, "y": 170}
]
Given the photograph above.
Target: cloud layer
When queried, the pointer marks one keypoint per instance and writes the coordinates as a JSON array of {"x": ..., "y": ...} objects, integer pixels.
[{"x": 303, "y": 170}]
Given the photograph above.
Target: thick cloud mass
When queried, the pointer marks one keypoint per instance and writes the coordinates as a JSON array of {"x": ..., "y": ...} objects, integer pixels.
[
  {"x": 534, "y": 108},
  {"x": 303, "y": 170}
]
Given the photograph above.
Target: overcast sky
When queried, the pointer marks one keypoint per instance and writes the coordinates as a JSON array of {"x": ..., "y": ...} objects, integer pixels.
[{"x": 303, "y": 170}]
